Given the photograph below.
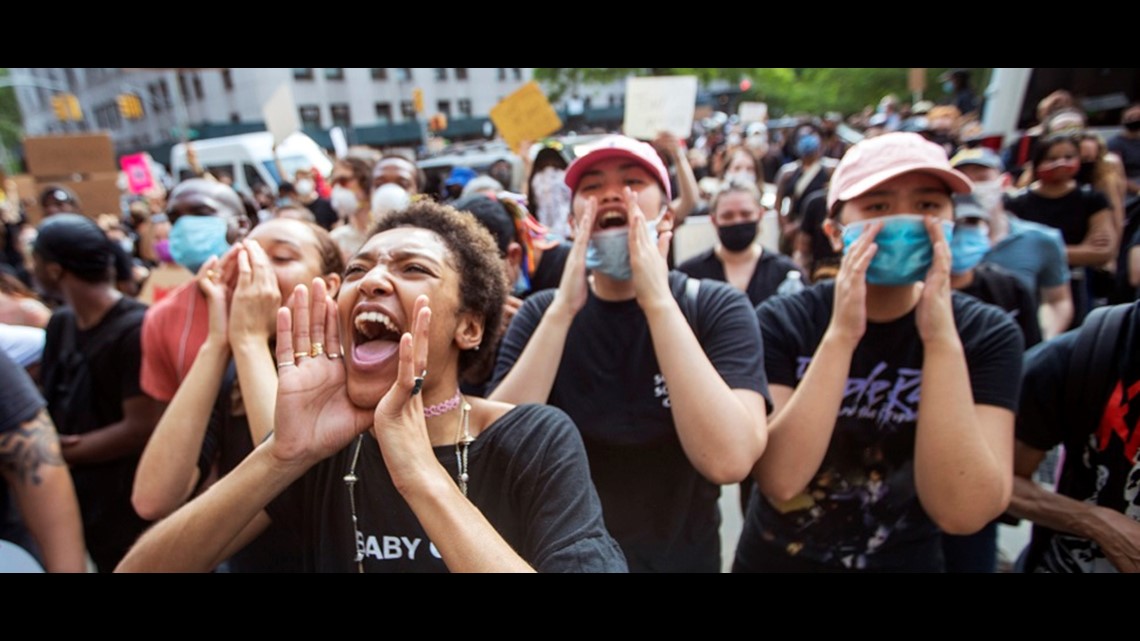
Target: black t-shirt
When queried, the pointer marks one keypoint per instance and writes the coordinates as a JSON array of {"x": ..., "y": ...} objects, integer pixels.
[
  {"x": 112, "y": 353},
  {"x": 771, "y": 270},
  {"x": 996, "y": 286},
  {"x": 527, "y": 474},
  {"x": 1102, "y": 464},
  {"x": 548, "y": 275},
  {"x": 659, "y": 508},
  {"x": 323, "y": 211},
  {"x": 20, "y": 402},
  {"x": 1069, "y": 213},
  {"x": 227, "y": 441},
  {"x": 861, "y": 510}
]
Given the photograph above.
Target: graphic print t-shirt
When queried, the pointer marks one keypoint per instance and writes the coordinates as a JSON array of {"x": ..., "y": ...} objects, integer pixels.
[{"x": 861, "y": 510}]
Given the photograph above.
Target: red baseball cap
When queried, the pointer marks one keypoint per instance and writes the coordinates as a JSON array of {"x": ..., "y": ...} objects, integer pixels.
[
  {"x": 620, "y": 147},
  {"x": 874, "y": 161}
]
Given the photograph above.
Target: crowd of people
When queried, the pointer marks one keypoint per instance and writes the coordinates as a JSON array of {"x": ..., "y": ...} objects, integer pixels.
[{"x": 354, "y": 373}]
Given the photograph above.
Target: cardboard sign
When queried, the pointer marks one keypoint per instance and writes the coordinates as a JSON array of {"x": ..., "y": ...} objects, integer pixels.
[
  {"x": 753, "y": 112},
  {"x": 653, "y": 105},
  {"x": 339, "y": 142},
  {"x": 67, "y": 154},
  {"x": 525, "y": 115},
  {"x": 137, "y": 168},
  {"x": 280, "y": 113}
]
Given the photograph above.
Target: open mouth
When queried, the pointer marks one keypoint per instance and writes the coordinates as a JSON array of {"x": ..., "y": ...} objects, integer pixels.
[
  {"x": 376, "y": 337},
  {"x": 611, "y": 219}
]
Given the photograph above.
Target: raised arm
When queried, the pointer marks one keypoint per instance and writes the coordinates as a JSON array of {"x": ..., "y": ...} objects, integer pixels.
[
  {"x": 31, "y": 464},
  {"x": 531, "y": 376},
  {"x": 686, "y": 200},
  {"x": 722, "y": 430},
  {"x": 256, "y": 297},
  {"x": 963, "y": 458},
  {"x": 168, "y": 470}
]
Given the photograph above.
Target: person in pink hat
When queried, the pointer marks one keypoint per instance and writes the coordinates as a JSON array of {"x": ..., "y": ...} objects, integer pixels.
[
  {"x": 894, "y": 395},
  {"x": 662, "y": 374}
]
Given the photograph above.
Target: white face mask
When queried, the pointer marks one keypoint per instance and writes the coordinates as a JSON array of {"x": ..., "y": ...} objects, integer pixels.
[
  {"x": 740, "y": 177},
  {"x": 304, "y": 187},
  {"x": 344, "y": 201},
  {"x": 988, "y": 194},
  {"x": 389, "y": 197}
]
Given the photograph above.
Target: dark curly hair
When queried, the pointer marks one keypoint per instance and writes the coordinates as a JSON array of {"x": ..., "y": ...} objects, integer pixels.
[{"x": 475, "y": 256}]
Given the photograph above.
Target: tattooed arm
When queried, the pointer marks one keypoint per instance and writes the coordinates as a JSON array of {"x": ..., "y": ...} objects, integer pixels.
[{"x": 31, "y": 463}]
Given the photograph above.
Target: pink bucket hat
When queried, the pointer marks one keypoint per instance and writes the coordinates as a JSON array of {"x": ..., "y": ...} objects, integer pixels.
[
  {"x": 876, "y": 160},
  {"x": 620, "y": 147}
]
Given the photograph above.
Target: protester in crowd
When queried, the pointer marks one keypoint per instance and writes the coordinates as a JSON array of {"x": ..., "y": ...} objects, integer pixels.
[
  {"x": 812, "y": 248},
  {"x": 206, "y": 218},
  {"x": 798, "y": 179},
  {"x": 203, "y": 426},
  {"x": 90, "y": 373},
  {"x": 55, "y": 199},
  {"x": 863, "y": 470},
  {"x": 352, "y": 200},
  {"x": 1033, "y": 252},
  {"x": 452, "y": 480},
  {"x": 738, "y": 258},
  {"x": 1081, "y": 214},
  {"x": 1126, "y": 144},
  {"x": 672, "y": 150},
  {"x": 548, "y": 197},
  {"x": 956, "y": 83},
  {"x": 661, "y": 373},
  {"x": 1079, "y": 390},
  {"x": 33, "y": 472},
  {"x": 831, "y": 145},
  {"x": 400, "y": 170}
]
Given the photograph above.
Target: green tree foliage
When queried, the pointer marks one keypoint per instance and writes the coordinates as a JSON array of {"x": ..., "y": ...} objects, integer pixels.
[
  {"x": 11, "y": 124},
  {"x": 786, "y": 90}
]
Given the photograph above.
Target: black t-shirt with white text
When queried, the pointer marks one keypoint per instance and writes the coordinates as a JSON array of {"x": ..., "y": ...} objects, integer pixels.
[
  {"x": 527, "y": 474},
  {"x": 861, "y": 510}
]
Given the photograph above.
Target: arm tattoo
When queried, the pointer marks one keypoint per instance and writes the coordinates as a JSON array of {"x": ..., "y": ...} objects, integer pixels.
[{"x": 24, "y": 450}]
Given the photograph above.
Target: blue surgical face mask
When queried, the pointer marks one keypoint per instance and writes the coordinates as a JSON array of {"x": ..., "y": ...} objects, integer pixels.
[
  {"x": 948, "y": 86},
  {"x": 808, "y": 144},
  {"x": 608, "y": 251},
  {"x": 905, "y": 253},
  {"x": 194, "y": 239},
  {"x": 968, "y": 247}
]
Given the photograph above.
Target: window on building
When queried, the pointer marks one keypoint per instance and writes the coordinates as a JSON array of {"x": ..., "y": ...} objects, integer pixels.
[
  {"x": 613, "y": 100},
  {"x": 444, "y": 107},
  {"x": 586, "y": 102},
  {"x": 517, "y": 71},
  {"x": 465, "y": 107},
  {"x": 502, "y": 73},
  {"x": 165, "y": 90},
  {"x": 155, "y": 96},
  {"x": 404, "y": 74},
  {"x": 380, "y": 73},
  {"x": 182, "y": 86},
  {"x": 384, "y": 112},
  {"x": 461, "y": 73},
  {"x": 340, "y": 115},
  {"x": 235, "y": 117},
  {"x": 334, "y": 73},
  {"x": 441, "y": 73},
  {"x": 227, "y": 79},
  {"x": 303, "y": 73},
  {"x": 407, "y": 110},
  {"x": 197, "y": 87},
  {"x": 310, "y": 116}
]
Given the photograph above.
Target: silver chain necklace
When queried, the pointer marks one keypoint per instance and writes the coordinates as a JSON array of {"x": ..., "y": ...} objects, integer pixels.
[{"x": 463, "y": 441}]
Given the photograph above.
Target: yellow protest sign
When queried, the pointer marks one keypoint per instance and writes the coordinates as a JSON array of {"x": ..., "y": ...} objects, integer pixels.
[{"x": 525, "y": 115}]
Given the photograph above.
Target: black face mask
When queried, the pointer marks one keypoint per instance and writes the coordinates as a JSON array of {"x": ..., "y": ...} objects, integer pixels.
[
  {"x": 1132, "y": 126},
  {"x": 737, "y": 237},
  {"x": 1085, "y": 173}
]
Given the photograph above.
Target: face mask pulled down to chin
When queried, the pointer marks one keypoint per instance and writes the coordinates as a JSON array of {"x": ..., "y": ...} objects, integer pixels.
[{"x": 608, "y": 251}]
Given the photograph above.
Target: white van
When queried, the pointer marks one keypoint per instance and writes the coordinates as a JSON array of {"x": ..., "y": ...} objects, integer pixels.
[{"x": 248, "y": 158}]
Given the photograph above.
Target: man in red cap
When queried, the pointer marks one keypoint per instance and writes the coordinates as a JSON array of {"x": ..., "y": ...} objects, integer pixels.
[
  {"x": 894, "y": 396},
  {"x": 662, "y": 374}
]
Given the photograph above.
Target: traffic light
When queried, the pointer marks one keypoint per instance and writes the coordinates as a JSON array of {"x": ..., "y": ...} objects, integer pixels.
[
  {"x": 418, "y": 100},
  {"x": 74, "y": 112},
  {"x": 130, "y": 106}
]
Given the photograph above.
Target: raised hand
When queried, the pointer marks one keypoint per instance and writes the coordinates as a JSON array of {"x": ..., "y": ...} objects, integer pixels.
[
  {"x": 646, "y": 258},
  {"x": 212, "y": 284},
  {"x": 314, "y": 416},
  {"x": 935, "y": 313},
  {"x": 400, "y": 426},
  {"x": 256, "y": 295},
  {"x": 849, "y": 318},
  {"x": 573, "y": 289}
]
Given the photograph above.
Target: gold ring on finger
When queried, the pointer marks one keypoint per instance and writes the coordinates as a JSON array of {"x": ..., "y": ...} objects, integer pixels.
[
  {"x": 299, "y": 355},
  {"x": 316, "y": 350}
]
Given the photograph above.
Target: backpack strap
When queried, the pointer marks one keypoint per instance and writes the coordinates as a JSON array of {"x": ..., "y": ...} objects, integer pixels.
[
  {"x": 685, "y": 290},
  {"x": 1093, "y": 363}
]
